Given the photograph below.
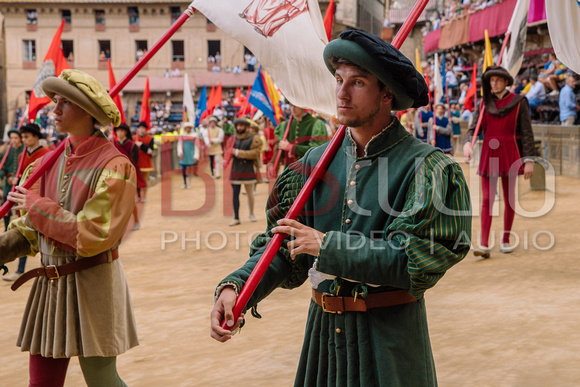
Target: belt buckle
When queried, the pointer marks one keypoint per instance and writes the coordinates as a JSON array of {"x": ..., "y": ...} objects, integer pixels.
[
  {"x": 324, "y": 303},
  {"x": 55, "y": 270}
]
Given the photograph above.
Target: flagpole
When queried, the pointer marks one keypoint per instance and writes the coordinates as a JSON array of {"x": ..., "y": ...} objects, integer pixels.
[
  {"x": 5, "y": 155},
  {"x": 306, "y": 191},
  {"x": 478, "y": 126},
  {"x": 52, "y": 157},
  {"x": 149, "y": 54},
  {"x": 273, "y": 171},
  {"x": 503, "y": 46},
  {"x": 24, "y": 116}
]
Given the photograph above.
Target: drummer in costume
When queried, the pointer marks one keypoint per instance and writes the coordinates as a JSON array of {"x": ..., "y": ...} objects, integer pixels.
[
  {"x": 75, "y": 215},
  {"x": 507, "y": 151},
  {"x": 371, "y": 241}
]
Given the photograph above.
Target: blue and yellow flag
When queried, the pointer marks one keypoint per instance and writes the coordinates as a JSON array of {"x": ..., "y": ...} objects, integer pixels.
[
  {"x": 259, "y": 98},
  {"x": 201, "y": 106}
]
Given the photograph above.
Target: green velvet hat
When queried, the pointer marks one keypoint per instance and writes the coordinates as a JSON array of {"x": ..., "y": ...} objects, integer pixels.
[{"x": 383, "y": 61}]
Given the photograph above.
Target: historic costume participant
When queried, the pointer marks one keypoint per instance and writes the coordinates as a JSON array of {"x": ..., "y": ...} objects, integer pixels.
[
  {"x": 305, "y": 132},
  {"x": 440, "y": 127},
  {"x": 30, "y": 138},
  {"x": 127, "y": 147},
  {"x": 508, "y": 145},
  {"x": 215, "y": 139},
  {"x": 79, "y": 303},
  {"x": 144, "y": 142},
  {"x": 388, "y": 219},
  {"x": 246, "y": 151},
  {"x": 424, "y": 114},
  {"x": 10, "y": 166},
  {"x": 187, "y": 152}
]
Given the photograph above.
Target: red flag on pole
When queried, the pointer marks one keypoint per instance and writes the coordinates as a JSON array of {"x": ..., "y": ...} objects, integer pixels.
[
  {"x": 117, "y": 98},
  {"x": 247, "y": 108},
  {"x": 472, "y": 92},
  {"x": 54, "y": 63},
  {"x": 328, "y": 18},
  {"x": 428, "y": 85},
  {"x": 215, "y": 99},
  {"x": 145, "y": 115},
  {"x": 209, "y": 107},
  {"x": 239, "y": 98}
]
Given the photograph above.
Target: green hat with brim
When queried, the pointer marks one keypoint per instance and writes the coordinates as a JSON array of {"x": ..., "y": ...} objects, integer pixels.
[
  {"x": 242, "y": 121},
  {"x": 14, "y": 131},
  {"x": 86, "y": 92},
  {"x": 384, "y": 62}
]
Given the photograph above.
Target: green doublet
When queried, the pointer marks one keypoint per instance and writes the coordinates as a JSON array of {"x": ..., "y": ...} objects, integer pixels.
[
  {"x": 228, "y": 129},
  {"x": 308, "y": 133},
  {"x": 397, "y": 218},
  {"x": 10, "y": 166}
]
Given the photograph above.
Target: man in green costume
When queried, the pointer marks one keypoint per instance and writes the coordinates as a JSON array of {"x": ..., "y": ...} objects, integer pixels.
[
  {"x": 390, "y": 217},
  {"x": 10, "y": 166},
  {"x": 305, "y": 132}
]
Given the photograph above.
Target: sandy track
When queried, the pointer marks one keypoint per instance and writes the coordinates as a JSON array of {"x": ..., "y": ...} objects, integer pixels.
[{"x": 508, "y": 321}]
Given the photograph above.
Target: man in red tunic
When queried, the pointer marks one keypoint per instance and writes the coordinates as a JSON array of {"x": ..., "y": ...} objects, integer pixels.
[
  {"x": 30, "y": 135},
  {"x": 144, "y": 142},
  {"x": 507, "y": 151},
  {"x": 30, "y": 138}
]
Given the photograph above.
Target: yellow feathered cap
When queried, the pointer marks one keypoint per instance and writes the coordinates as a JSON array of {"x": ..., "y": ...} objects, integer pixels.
[{"x": 86, "y": 92}]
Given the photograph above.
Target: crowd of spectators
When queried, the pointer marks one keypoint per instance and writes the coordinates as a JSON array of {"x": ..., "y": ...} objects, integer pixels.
[
  {"x": 214, "y": 63},
  {"x": 550, "y": 89},
  {"x": 456, "y": 9},
  {"x": 541, "y": 83}
]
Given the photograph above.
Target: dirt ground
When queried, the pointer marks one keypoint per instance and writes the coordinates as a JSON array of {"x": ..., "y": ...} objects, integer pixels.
[{"x": 511, "y": 320}]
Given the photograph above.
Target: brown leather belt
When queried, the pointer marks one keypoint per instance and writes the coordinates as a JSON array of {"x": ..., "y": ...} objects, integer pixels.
[
  {"x": 53, "y": 272},
  {"x": 337, "y": 304}
]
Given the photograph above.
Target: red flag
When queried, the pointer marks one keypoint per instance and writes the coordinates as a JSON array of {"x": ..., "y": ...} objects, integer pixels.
[
  {"x": 209, "y": 107},
  {"x": 54, "y": 63},
  {"x": 210, "y": 97},
  {"x": 428, "y": 87},
  {"x": 247, "y": 108},
  {"x": 472, "y": 92},
  {"x": 239, "y": 98},
  {"x": 215, "y": 99},
  {"x": 117, "y": 99},
  {"x": 328, "y": 18},
  {"x": 145, "y": 115}
]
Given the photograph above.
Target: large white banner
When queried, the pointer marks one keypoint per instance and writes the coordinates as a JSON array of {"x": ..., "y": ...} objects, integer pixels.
[
  {"x": 287, "y": 38},
  {"x": 518, "y": 28},
  {"x": 438, "y": 80},
  {"x": 188, "y": 106},
  {"x": 564, "y": 25}
]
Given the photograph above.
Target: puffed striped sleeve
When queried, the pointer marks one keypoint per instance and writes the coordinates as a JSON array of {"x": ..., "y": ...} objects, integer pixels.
[{"x": 435, "y": 226}]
